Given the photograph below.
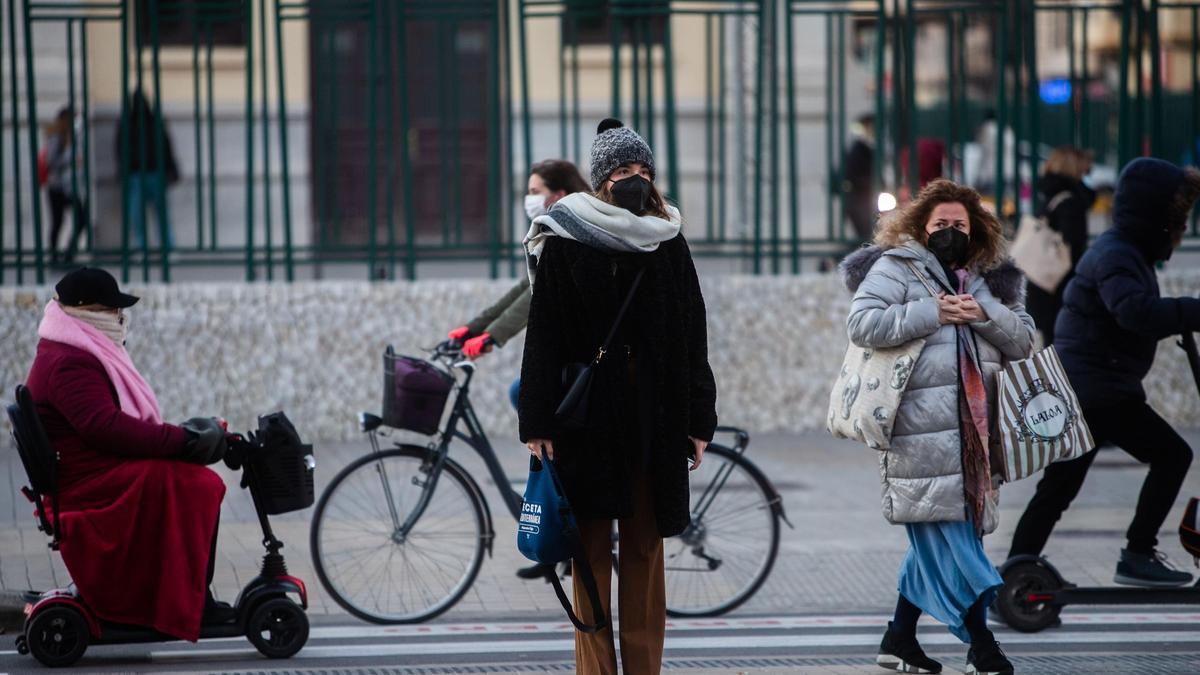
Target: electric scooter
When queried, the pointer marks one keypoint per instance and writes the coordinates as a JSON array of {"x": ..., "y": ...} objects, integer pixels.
[
  {"x": 1034, "y": 592},
  {"x": 278, "y": 470}
]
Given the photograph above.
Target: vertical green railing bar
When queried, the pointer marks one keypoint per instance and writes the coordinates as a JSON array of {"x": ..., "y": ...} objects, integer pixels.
[
  {"x": 1156, "y": 84},
  {"x": 841, "y": 120},
  {"x": 1073, "y": 79},
  {"x": 284, "y": 160},
  {"x": 248, "y": 17},
  {"x": 198, "y": 145},
  {"x": 1034, "y": 100},
  {"x": 266, "y": 136},
  {"x": 669, "y": 105},
  {"x": 793, "y": 161},
  {"x": 1123, "y": 122},
  {"x": 910, "y": 96},
  {"x": 31, "y": 106},
  {"x": 523, "y": 63},
  {"x": 160, "y": 203},
  {"x": 1001, "y": 105},
  {"x": 210, "y": 122},
  {"x": 496, "y": 193},
  {"x": 373, "y": 147},
  {"x": 758, "y": 137},
  {"x": 880, "y": 112},
  {"x": 1085, "y": 117},
  {"x": 125, "y": 140},
  {"x": 830, "y": 177},
  {"x": 410, "y": 217},
  {"x": 16, "y": 221}
]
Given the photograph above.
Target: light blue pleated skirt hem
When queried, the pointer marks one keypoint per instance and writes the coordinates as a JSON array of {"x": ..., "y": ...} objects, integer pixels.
[{"x": 946, "y": 572}]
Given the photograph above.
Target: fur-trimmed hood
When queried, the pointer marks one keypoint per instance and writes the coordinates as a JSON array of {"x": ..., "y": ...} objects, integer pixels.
[{"x": 1005, "y": 281}]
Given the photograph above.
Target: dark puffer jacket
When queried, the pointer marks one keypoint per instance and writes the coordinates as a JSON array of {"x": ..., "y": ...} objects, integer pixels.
[
  {"x": 1113, "y": 316},
  {"x": 577, "y": 294}
]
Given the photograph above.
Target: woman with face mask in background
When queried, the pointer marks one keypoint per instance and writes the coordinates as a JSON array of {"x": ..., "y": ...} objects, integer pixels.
[
  {"x": 549, "y": 181},
  {"x": 938, "y": 474},
  {"x": 652, "y": 404}
]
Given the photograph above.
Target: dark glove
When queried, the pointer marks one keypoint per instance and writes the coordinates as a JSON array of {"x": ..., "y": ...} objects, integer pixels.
[{"x": 205, "y": 441}]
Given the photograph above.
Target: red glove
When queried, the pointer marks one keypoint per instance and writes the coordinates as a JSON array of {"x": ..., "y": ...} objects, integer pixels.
[
  {"x": 459, "y": 333},
  {"x": 478, "y": 346}
]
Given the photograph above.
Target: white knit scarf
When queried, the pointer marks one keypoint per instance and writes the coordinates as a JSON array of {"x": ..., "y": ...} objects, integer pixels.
[{"x": 594, "y": 222}]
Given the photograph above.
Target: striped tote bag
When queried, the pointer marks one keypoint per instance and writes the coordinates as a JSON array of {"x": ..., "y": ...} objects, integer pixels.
[{"x": 1039, "y": 419}]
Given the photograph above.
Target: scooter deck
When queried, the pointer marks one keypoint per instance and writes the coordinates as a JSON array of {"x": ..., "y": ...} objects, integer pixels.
[{"x": 1103, "y": 595}]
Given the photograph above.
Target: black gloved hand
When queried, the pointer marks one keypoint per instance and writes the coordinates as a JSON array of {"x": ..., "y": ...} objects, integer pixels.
[{"x": 206, "y": 441}]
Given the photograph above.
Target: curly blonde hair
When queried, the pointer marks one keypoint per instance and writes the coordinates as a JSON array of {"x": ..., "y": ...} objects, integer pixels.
[{"x": 989, "y": 247}]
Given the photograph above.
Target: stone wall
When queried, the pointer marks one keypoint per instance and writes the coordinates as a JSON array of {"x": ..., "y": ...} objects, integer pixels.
[{"x": 314, "y": 349}]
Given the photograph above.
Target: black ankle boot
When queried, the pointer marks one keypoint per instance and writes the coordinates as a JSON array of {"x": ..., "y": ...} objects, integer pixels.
[{"x": 904, "y": 654}]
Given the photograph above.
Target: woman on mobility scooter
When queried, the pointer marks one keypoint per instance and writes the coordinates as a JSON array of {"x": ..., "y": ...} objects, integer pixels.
[{"x": 138, "y": 508}]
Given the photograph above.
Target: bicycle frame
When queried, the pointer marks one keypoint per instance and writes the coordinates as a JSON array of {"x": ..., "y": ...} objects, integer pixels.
[{"x": 475, "y": 437}]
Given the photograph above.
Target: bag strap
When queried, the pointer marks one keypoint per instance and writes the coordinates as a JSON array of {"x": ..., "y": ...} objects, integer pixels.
[
  {"x": 583, "y": 566},
  {"x": 921, "y": 276},
  {"x": 1056, "y": 201},
  {"x": 612, "y": 332}
]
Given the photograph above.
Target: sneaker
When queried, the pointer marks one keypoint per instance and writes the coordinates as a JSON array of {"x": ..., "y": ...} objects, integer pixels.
[
  {"x": 986, "y": 658},
  {"x": 1140, "y": 569},
  {"x": 904, "y": 655}
]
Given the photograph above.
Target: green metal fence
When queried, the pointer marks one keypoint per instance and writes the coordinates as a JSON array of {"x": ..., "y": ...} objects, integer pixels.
[{"x": 405, "y": 134}]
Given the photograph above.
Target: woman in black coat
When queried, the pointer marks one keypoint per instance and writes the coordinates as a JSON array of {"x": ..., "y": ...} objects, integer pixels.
[
  {"x": 1066, "y": 202},
  {"x": 653, "y": 398}
]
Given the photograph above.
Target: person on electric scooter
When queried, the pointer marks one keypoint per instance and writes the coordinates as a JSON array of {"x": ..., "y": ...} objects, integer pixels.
[
  {"x": 1106, "y": 335},
  {"x": 139, "y": 510}
]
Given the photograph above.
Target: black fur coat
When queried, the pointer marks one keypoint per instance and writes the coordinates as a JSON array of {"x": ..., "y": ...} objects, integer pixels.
[{"x": 645, "y": 406}]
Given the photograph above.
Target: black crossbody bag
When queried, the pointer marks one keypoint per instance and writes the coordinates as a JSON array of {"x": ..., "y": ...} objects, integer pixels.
[{"x": 574, "y": 411}]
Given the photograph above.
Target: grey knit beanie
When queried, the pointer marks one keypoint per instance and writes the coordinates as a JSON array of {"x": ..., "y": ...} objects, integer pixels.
[{"x": 615, "y": 145}]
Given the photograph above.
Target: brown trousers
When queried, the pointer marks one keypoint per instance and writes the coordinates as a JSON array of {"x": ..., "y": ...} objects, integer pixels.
[{"x": 641, "y": 592}]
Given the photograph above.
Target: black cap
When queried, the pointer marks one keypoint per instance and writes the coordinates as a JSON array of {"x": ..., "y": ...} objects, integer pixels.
[{"x": 92, "y": 286}]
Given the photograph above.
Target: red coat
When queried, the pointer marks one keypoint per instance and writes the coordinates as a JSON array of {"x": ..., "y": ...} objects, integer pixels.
[{"x": 137, "y": 523}]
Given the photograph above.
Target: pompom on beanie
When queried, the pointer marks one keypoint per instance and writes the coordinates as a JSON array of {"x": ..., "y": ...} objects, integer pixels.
[{"x": 616, "y": 144}]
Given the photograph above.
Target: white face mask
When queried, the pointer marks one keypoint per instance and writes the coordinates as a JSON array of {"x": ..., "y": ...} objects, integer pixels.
[{"x": 535, "y": 205}]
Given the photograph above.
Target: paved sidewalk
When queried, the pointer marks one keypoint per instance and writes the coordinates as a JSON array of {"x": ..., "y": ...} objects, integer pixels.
[{"x": 841, "y": 557}]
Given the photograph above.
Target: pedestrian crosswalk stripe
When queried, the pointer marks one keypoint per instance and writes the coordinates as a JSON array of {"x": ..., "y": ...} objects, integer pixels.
[{"x": 699, "y": 644}]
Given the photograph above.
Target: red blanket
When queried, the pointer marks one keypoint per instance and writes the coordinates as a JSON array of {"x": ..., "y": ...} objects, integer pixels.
[{"x": 137, "y": 523}]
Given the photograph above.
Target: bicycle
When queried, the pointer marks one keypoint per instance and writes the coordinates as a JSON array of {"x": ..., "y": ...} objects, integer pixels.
[{"x": 398, "y": 535}]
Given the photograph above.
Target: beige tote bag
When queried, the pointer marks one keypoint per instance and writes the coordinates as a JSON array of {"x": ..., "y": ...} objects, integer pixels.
[
  {"x": 1041, "y": 252},
  {"x": 868, "y": 389}
]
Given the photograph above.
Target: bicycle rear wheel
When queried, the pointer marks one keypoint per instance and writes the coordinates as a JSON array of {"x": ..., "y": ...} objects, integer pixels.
[
  {"x": 373, "y": 569},
  {"x": 728, "y": 551}
]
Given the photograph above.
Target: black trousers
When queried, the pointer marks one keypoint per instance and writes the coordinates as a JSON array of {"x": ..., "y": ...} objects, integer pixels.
[
  {"x": 1136, "y": 429},
  {"x": 59, "y": 202}
]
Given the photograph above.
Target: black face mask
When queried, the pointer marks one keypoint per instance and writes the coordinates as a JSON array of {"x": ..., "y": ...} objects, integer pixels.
[
  {"x": 950, "y": 246},
  {"x": 632, "y": 194}
]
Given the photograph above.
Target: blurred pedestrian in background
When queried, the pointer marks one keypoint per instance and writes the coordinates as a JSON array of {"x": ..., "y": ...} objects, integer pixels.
[
  {"x": 858, "y": 171},
  {"x": 147, "y": 181},
  {"x": 59, "y": 166},
  {"x": 1066, "y": 201}
]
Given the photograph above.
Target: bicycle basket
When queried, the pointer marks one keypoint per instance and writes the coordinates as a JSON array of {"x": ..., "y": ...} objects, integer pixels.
[
  {"x": 283, "y": 466},
  {"x": 414, "y": 393}
]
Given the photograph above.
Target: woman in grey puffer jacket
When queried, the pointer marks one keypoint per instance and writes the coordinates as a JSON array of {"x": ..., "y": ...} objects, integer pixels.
[{"x": 937, "y": 477}]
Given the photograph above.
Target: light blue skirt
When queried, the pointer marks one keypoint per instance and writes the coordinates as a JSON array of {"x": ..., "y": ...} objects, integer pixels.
[{"x": 946, "y": 572}]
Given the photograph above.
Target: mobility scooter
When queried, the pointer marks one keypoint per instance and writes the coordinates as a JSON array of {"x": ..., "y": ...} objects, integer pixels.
[
  {"x": 278, "y": 470},
  {"x": 1034, "y": 592}
]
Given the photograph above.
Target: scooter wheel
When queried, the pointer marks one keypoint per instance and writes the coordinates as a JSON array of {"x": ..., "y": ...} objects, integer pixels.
[
  {"x": 1013, "y": 604},
  {"x": 57, "y": 636},
  {"x": 278, "y": 628}
]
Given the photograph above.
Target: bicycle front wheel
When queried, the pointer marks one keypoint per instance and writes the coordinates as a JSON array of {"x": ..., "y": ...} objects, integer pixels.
[
  {"x": 728, "y": 551},
  {"x": 377, "y": 565}
]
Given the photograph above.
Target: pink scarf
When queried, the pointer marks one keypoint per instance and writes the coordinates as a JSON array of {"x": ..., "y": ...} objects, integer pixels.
[
  {"x": 973, "y": 411},
  {"x": 135, "y": 397}
]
